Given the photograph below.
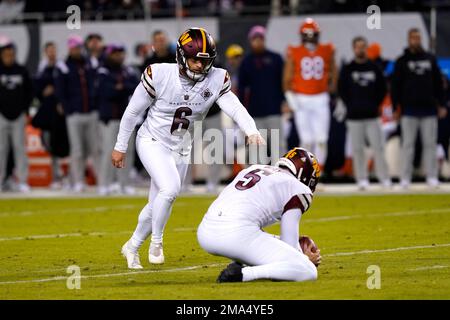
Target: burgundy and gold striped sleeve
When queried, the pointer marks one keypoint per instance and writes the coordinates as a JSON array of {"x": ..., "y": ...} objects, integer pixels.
[
  {"x": 226, "y": 84},
  {"x": 299, "y": 201},
  {"x": 147, "y": 81}
]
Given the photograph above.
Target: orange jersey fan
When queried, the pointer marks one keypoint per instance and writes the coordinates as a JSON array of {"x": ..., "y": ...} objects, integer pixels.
[{"x": 311, "y": 69}]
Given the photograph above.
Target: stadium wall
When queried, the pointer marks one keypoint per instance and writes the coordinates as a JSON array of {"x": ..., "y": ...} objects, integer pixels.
[{"x": 282, "y": 31}]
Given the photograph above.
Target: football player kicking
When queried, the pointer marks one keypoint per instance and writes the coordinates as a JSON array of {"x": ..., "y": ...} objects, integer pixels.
[
  {"x": 177, "y": 94},
  {"x": 260, "y": 196}
]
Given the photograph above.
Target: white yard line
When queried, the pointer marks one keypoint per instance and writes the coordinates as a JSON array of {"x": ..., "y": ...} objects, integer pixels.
[
  {"x": 427, "y": 268},
  {"x": 70, "y": 210},
  {"x": 184, "y": 229},
  {"x": 109, "y": 275},
  {"x": 64, "y": 235},
  {"x": 379, "y": 215},
  {"x": 78, "y": 210},
  {"x": 329, "y": 219},
  {"x": 339, "y": 254},
  {"x": 82, "y": 234}
]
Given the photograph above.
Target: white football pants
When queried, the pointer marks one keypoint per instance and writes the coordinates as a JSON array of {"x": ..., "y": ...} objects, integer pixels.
[
  {"x": 312, "y": 119},
  {"x": 267, "y": 257},
  {"x": 167, "y": 170}
]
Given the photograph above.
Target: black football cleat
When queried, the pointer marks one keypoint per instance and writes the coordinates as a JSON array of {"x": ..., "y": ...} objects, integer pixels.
[
  {"x": 239, "y": 264},
  {"x": 232, "y": 273}
]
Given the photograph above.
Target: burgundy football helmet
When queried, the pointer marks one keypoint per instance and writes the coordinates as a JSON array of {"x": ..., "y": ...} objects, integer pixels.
[
  {"x": 303, "y": 165},
  {"x": 196, "y": 43}
]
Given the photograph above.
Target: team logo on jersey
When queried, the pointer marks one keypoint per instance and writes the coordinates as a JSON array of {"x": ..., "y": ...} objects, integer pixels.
[{"x": 206, "y": 94}]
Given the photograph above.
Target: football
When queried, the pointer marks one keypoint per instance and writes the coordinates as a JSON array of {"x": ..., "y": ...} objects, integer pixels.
[{"x": 306, "y": 242}]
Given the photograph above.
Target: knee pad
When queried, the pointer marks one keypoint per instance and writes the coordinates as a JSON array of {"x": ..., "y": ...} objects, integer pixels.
[{"x": 170, "y": 194}]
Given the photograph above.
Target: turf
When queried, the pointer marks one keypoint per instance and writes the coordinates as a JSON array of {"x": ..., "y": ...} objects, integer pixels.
[{"x": 34, "y": 261}]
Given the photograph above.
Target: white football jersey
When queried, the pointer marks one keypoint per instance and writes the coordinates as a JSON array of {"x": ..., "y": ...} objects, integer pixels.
[
  {"x": 261, "y": 194},
  {"x": 178, "y": 103}
]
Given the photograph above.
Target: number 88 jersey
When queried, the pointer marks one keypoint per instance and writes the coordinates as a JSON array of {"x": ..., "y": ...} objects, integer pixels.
[
  {"x": 261, "y": 194},
  {"x": 178, "y": 103},
  {"x": 311, "y": 68}
]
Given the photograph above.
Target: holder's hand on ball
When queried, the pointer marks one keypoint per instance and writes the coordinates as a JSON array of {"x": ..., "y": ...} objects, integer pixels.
[
  {"x": 310, "y": 249},
  {"x": 314, "y": 257},
  {"x": 118, "y": 159}
]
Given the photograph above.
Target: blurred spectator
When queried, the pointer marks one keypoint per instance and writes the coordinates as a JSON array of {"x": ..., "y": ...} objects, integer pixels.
[
  {"x": 362, "y": 87},
  {"x": 260, "y": 88},
  {"x": 116, "y": 84},
  {"x": 444, "y": 123},
  {"x": 141, "y": 52},
  {"x": 10, "y": 10},
  {"x": 75, "y": 89},
  {"x": 374, "y": 54},
  {"x": 94, "y": 48},
  {"x": 16, "y": 93},
  {"x": 234, "y": 55},
  {"x": 417, "y": 93},
  {"x": 162, "y": 52},
  {"x": 50, "y": 116}
]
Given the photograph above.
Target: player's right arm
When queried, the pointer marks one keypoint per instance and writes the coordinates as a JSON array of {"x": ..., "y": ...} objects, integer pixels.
[
  {"x": 230, "y": 104},
  {"x": 289, "y": 232},
  {"x": 288, "y": 73},
  {"x": 290, "y": 222},
  {"x": 143, "y": 97}
]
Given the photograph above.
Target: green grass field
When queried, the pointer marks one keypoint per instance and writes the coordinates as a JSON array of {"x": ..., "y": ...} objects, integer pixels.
[{"x": 407, "y": 236}]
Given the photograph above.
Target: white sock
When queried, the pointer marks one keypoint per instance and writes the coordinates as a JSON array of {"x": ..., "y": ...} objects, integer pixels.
[
  {"x": 162, "y": 207},
  {"x": 143, "y": 229}
]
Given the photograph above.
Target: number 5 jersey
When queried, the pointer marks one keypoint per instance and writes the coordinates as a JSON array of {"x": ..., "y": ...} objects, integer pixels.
[{"x": 261, "y": 194}]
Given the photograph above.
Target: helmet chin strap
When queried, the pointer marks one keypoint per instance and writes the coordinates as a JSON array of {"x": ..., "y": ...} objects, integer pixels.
[{"x": 194, "y": 75}]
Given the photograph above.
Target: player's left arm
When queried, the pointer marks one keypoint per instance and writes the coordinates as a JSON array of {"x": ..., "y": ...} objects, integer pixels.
[{"x": 233, "y": 108}]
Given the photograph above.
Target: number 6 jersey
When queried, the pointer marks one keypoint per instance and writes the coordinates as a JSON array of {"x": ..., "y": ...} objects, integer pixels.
[
  {"x": 261, "y": 194},
  {"x": 178, "y": 103}
]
